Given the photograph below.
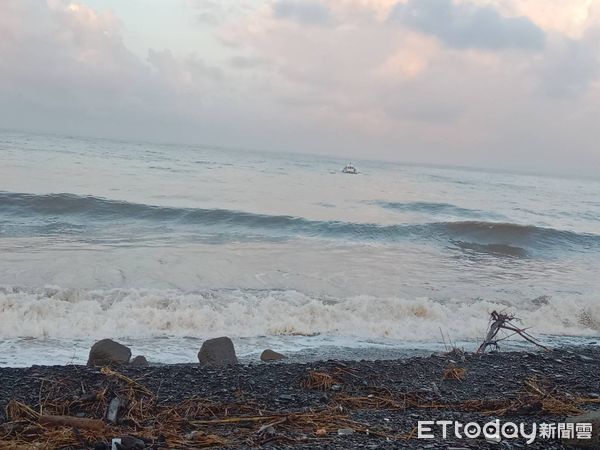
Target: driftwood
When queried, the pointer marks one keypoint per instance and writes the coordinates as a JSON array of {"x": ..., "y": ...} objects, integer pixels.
[
  {"x": 500, "y": 321},
  {"x": 69, "y": 421}
]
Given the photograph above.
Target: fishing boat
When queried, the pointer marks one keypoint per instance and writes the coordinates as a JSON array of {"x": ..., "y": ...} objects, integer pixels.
[{"x": 349, "y": 168}]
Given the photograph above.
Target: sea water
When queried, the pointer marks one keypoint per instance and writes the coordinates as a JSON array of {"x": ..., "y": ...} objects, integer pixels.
[{"x": 161, "y": 246}]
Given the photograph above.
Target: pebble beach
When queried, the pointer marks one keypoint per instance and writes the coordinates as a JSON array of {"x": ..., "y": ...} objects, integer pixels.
[{"x": 324, "y": 404}]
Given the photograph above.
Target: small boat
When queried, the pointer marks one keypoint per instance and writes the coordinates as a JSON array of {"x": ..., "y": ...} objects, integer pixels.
[{"x": 349, "y": 168}]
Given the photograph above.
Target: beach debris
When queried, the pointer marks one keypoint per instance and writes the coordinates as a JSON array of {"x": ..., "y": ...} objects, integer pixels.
[
  {"x": 198, "y": 422},
  {"x": 334, "y": 381},
  {"x": 192, "y": 423},
  {"x": 139, "y": 361},
  {"x": 271, "y": 355},
  {"x": 454, "y": 373},
  {"x": 534, "y": 399},
  {"x": 217, "y": 352},
  {"x": 69, "y": 421},
  {"x": 269, "y": 429},
  {"x": 19, "y": 411},
  {"x": 501, "y": 321},
  {"x": 108, "y": 353},
  {"x": 133, "y": 385},
  {"x": 112, "y": 412},
  {"x": 318, "y": 380},
  {"x": 381, "y": 401}
]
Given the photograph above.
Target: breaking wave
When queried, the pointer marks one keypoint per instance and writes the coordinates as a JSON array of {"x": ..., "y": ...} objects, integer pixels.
[
  {"x": 68, "y": 213},
  {"x": 52, "y": 312}
]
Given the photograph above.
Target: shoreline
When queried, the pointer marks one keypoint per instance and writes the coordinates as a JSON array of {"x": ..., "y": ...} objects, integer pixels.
[
  {"x": 169, "y": 350},
  {"x": 326, "y": 404}
]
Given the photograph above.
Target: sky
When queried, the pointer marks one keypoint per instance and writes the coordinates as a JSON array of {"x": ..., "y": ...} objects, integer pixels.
[{"x": 493, "y": 83}]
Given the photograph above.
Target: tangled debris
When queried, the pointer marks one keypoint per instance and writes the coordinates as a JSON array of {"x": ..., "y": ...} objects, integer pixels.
[
  {"x": 501, "y": 321},
  {"x": 193, "y": 423},
  {"x": 333, "y": 403}
]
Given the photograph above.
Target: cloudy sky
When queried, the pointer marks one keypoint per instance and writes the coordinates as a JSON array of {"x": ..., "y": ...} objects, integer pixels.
[{"x": 510, "y": 83}]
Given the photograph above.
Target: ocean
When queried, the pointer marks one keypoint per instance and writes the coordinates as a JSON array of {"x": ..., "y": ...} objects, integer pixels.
[{"x": 162, "y": 246}]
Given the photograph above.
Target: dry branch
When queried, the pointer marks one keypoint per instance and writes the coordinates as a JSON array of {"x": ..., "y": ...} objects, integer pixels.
[
  {"x": 500, "y": 321},
  {"x": 75, "y": 422}
]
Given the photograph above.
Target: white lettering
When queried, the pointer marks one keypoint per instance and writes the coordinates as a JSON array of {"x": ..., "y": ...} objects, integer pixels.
[{"x": 422, "y": 429}]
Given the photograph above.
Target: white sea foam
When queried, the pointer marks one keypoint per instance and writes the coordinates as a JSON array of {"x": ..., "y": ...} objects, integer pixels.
[{"x": 55, "y": 313}]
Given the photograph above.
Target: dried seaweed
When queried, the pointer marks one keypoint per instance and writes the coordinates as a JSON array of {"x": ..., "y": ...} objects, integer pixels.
[{"x": 199, "y": 422}]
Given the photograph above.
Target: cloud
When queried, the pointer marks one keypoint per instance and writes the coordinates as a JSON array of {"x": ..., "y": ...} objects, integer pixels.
[
  {"x": 463, "y": 25},
  {"x": 570, "y": 66},
  {"x": 569, "y": 18},
  {"x": 64, "y": 66},
  {"x": 302, "y": 11},
  {"x": 215, "y": 12},
  {"x": 401, "y": 87},
  {"x": 247, "y": 62},
  {"x": 377, "y": 84}
]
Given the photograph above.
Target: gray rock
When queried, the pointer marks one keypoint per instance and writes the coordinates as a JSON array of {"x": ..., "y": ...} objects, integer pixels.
[
  {"x": 592, "y": 418},
  {"x": 285, "y": 398},
  {"x": 217, "y": 352},
  {"x": 270, "y": 355},
  {"x": 139, "y": 361},
  {"x": 108, "y": 353}
]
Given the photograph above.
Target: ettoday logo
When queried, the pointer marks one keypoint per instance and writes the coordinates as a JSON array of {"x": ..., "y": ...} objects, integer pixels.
[{"x": 496, "y": 431}]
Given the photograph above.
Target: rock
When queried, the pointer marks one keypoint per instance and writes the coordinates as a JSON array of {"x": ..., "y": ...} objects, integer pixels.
[
  {"x": 580, "y": 435},
  {"x": 139, "y": 361},
  {"x": 108, "y": 352},
  {"x": 270, "y": 355},
  {"x": 285, "y": 398},
  {"x": 217, "y": 352}
]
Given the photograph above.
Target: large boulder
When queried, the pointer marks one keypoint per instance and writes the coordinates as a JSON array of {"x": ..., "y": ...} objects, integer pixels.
[
  {"x": 108, "y": 353},
  {"x": 586, "y": 430},
  {"x": 217, "y": 352},
  {"x": 271, "y": 355}
]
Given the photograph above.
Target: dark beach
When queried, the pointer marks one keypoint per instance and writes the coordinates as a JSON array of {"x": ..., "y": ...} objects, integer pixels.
[{"x": 329, "y": 404}]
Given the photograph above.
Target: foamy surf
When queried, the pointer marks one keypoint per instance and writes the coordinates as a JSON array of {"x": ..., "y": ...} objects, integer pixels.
[
  {"x": 55, "y": 313},
  {"x": 51, "y": 325}
]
